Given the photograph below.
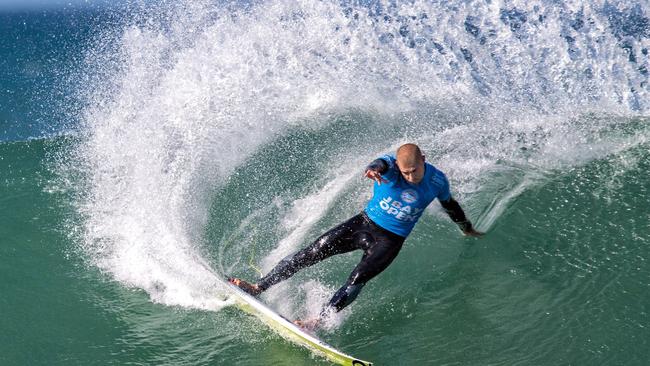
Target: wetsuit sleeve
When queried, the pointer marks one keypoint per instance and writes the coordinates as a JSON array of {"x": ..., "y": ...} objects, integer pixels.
[
  {"x": 456, "y": 214},
  {"x": 385, "y": 165},
  {"x": 451, "y": 206},
  {"x": 379, "y": 165}
]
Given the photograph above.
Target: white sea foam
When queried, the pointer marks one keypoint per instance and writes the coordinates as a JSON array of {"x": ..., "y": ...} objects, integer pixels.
[{"x": 304, "y": 214}]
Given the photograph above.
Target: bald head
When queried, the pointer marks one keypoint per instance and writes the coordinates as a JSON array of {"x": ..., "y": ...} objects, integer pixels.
[
  {"x": 410, "y": 162},
  {"x": 409, "y": 154}
]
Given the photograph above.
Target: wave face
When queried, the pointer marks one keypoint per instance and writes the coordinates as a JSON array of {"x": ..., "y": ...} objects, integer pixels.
[{"x": 180, "y": 100}]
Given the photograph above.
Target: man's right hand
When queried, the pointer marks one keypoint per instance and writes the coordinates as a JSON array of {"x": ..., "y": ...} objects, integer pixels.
[{"x": 374, "y": 175}]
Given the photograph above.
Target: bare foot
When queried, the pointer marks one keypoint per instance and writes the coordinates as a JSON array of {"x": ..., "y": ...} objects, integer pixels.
[
  {"x": 473, "y": 233},
  {"x": 249, "y": 288},
  {"x": 309, "y": 325}
]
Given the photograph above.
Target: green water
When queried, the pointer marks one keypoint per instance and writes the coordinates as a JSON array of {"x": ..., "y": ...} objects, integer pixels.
[{"x": 560, "y": 278}]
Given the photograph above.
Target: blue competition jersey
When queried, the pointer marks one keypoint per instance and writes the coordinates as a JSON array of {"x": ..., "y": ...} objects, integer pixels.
[{"x": 397, "y": 205}]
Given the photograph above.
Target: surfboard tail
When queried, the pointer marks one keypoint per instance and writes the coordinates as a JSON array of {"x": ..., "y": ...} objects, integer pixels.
[{"x": 290, "y": 331}]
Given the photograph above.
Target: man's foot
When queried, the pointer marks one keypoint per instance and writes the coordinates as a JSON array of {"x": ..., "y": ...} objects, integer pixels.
[
  {"x": 309, "y": 325},
  {"x": 249, "y": 288}
]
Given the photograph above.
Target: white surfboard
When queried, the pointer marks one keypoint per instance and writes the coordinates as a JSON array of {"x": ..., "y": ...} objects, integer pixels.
[{"x": 290, "y": 331}]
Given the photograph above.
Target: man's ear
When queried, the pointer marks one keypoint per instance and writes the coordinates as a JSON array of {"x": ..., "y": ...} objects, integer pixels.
[{"x": 423, "y": 158}]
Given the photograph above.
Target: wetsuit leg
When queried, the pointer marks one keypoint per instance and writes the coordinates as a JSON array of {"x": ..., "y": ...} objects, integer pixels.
[
  {"x": 336, "y": 241},
  {"x": 377, "y": 256}
]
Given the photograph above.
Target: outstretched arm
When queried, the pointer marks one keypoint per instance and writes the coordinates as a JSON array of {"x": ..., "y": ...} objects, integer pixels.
[
  {"x": 375, "y": 169},
  {"x": 457, "y": 215}
]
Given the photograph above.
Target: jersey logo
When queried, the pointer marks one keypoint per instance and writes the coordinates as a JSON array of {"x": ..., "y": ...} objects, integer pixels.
[
  {"x": 409, "y": 196},
  {"x": 399, "y": 210}
]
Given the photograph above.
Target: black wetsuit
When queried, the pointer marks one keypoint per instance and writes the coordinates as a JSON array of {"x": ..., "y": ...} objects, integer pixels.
[{"x": 379, "y": 246}]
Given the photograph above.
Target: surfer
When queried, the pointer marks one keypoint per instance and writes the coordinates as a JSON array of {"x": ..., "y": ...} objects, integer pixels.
[{"x": 404, "y": 186}]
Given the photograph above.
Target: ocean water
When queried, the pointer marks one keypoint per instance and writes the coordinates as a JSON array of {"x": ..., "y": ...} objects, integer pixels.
[{"x": 150, "y": 149}]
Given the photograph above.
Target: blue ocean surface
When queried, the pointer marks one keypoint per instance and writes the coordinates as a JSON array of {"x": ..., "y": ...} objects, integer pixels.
[{"x": 148, "y": 150}]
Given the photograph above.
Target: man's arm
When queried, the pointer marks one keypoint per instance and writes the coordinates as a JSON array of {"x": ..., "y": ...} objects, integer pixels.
[
  {"x": 379, "y": 165},
  {"x": 457, "y": 215},
  {"x": 375, "y": 169}
]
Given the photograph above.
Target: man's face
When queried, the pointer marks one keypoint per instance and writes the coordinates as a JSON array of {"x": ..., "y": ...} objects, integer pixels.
[{"x": 412, "y": 169}]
